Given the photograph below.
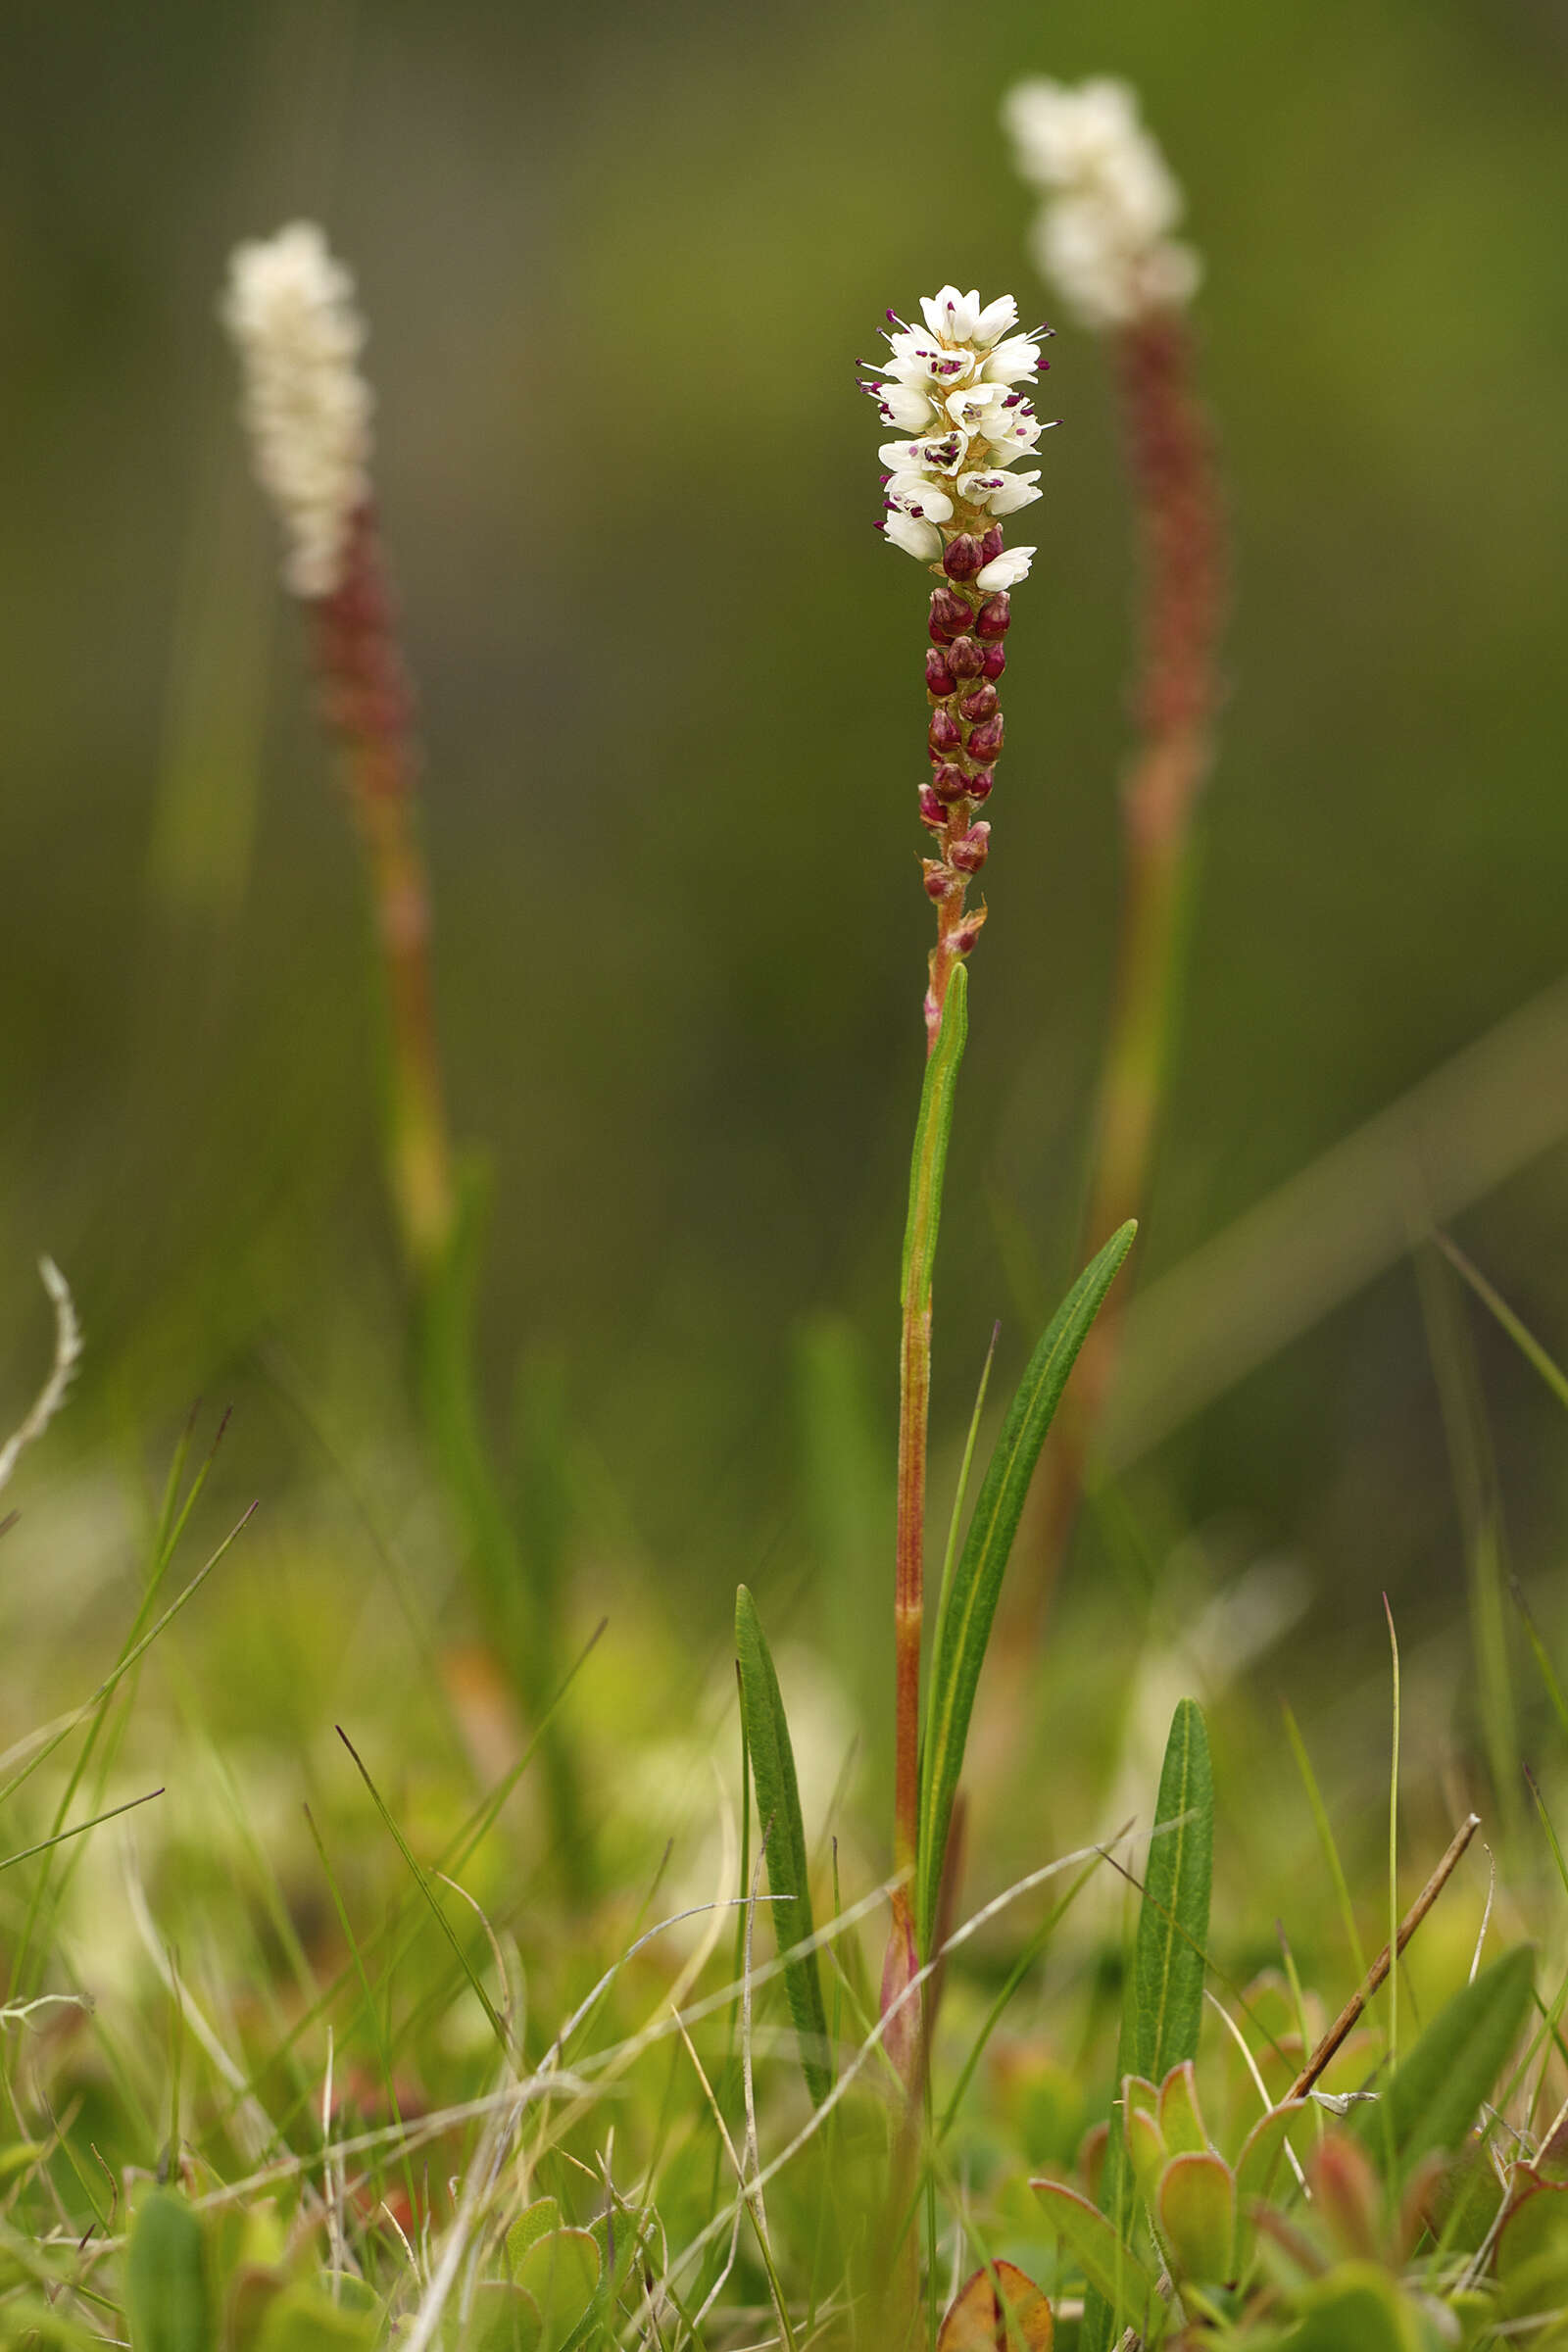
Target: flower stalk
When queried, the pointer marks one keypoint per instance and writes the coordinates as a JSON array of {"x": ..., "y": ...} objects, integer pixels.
[
  {"x": 1103, "y": 238},
  {"x": 949, "y": 388},
  {"x": 289, "y": 307}
]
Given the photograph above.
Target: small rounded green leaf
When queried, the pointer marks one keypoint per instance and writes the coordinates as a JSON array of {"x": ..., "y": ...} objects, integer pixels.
[
  {"x": 166, "y": 2300},
  {"x": 536, "y": 2221},
  {"x": 1180, "y": 2118},
  {"x": 1196, "y": 2211},
  {"x": 303, "y": 2318},
  {"x": 505, "y": 2319},
  {"x": 1356, "y": 2308},
  {"x": 560, "y": 2273}
]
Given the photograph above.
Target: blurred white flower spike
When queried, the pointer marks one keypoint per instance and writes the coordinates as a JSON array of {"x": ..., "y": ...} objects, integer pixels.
[
  {"x": 951, "y": 391},
  {"x": 1102, "y": 235},
  {"x": 290, "y": 309}
]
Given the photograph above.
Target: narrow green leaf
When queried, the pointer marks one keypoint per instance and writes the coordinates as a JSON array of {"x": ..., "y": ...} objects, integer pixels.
[
  {"x": 1164, "y": 2001},
  {"x": 1167, "y": 1984},
  {"x": 166, "y": 2299},
  {"x": 1112, "y": 2271},
  {"x": 1437, "y": 2093},
  {"x": 778, "y": 1809},
  {"x": 1523, "y": 1338},
  {"x": 976, "y": 1588},
  {"x": 929, "y": 1160}
]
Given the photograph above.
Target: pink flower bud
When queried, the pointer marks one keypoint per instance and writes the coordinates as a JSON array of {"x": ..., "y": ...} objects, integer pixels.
[
  {"x": 986, "y": 740},
  {"x": 940, "y": 880},
  {"x": 943, "y": 734},
  {"x": 980, "y": 703},
  {"x": 961, "y": 558},
  {"x": 932, "y": 813},
  {"x": 939, "y": 678},
  {"x": 951, "y": 782},
  {"x": 994, "y": 662},
  {"x": 969, "y": 853},
  {"x": 968, "y": 931},
  {"x": 951, "y": 615},
  {"x": 978, "y": 786},
  {"x": 994, "y": 618},
  {"x": 991, "y": 545},
  {"x": 966, "y": 657}
]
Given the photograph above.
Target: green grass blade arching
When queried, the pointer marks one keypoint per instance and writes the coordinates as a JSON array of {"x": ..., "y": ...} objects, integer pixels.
[
  {"x": 971, "y": 1608},
  {"x": 1164, "y": 2001},
  {"x": 778, "y": 1809}
]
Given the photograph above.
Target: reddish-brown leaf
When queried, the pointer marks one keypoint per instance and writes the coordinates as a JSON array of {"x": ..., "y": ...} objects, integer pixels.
[{"x": 997, "y": 2310}]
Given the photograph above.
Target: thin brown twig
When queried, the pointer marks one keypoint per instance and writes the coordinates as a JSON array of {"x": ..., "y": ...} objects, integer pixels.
[{"x": 1379, "y": 1969}]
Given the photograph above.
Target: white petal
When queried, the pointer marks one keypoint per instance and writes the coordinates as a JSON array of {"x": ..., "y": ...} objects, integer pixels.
[
  {"x": 1018, "y": 490},
  {"x": 996, "y": 319},
  {"x": 915, "y": 494},
  {"x": 1010, "y": 567},
  {"x": 910, "y": 411},
  {"x": 1012, "y": 362},
  {"x": 919, "y": 539}
]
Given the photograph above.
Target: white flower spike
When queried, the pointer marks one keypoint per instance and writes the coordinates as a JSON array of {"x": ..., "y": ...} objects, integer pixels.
[
  {"x": 952, "y": 392},
  {"x": 1102, "y": 235},
  {"x": 290, "y": 309}
]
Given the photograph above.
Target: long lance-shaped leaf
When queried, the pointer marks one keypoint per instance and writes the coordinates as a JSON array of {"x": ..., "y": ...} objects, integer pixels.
[
  {"x": 971, "y": 1606},
  {"x": 1437, "y": 2092},
  {"x": 778, "y": 1809},
  {"x": 1164, "y": 2007}
]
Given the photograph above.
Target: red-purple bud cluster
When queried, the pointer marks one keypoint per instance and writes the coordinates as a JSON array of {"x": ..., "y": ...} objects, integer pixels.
[{"x": 964, "y": 737}]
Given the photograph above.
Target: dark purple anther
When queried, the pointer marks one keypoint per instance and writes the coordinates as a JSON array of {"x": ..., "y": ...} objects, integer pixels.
[
  {"x": 939, "y": 678},
  {"x": 969, "y": 853},
  {"x": 940, "y": 880},
  {"x": 978, "y": 786},
  {"x": 967, "y": 657},
  {"x": 981, "y": 703},
  {"x": 943, "y": 734},
  {"x": 963, "y": 939},
  {"x": 951, "y": 615},
  {"x": 986, "y": 740},
  {"x": 961, "y": 558},
  {"x": 991, "y": 544},
  {"x": 951, "y": 782},
  {"x": 994, "y": 662},
  {"x": 994, "y": 618}
]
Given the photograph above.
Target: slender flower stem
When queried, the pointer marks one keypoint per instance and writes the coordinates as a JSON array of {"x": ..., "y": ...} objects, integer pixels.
[
  {"x": 368, "y": 705},
  {"x": 1181, "y": 529}
]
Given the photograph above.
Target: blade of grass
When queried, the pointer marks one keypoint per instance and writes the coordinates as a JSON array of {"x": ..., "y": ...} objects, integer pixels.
[
  {"x": 1163, "y": 2010},
  {"x": 1523, "y": 1338},
  {"x": 372, "y": 2014},
  {"x": 78, "y": 1829},
  {"x": 977, "y": 1585},
  {"x": 428, "y": 1893},
  {"x": 778, "y": 1810},
  {"x": 1331, "y": 1852}
]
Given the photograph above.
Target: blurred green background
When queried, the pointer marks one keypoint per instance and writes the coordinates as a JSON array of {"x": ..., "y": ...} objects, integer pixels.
[{"x": 618, "y": 263}]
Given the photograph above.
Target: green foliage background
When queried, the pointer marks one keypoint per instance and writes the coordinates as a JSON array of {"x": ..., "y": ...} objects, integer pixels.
[{"x": 617, "y": 262}]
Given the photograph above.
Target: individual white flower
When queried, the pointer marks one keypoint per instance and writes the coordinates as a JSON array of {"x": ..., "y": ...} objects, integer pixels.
[
  {"x": 912, "y": 494},
  {"x": 919, "y": 539},
  {"x": 909, "y": 411},
  {"x": 290, "y": 309},
  {"x": 1012, "y": 361},
  {"x": 1009, "y": 569},
  {"x": 999, "y": 493},
  {"x": 936, "y": 453},
  {"x": 1103, "y": 234},
  {"x": 970, "y": 408}
]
